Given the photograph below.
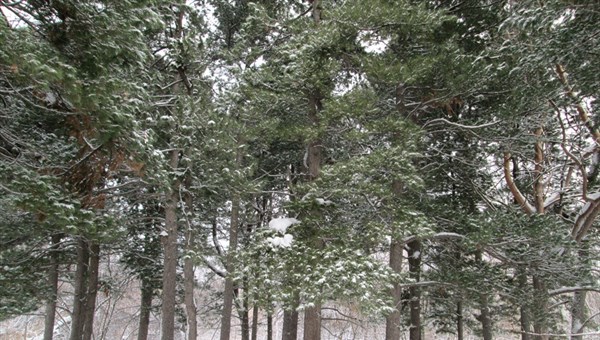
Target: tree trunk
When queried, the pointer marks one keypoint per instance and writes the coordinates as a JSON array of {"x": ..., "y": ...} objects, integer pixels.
[
  {"x": 53, "y": 284},
  {"x": 245, "y": 317},
  {"x": 269, "y": 326},
  {"x": 233, "y": 243},
  {"x": 170, "y": 256},
  {"x": 392, "y": 321},
  {"x": 540, "y": 325},
  {"x": 145, "y": 308},
  {"x": 190, "y": 304},
  {"x": 92, "y": 291},
  {"x": 525, "y": 317},
  {"x": 254, "y": 322},
  {"x": 578, "y": 314},
  {"x": 484, "y": 317},
  {"x": 460, "y": 332},
  {"x": 414, "y": 267},
  {"x": 290, "y": 325},
  {"x": 312, "y": 322},
  {"x": 79, "y": 294}
]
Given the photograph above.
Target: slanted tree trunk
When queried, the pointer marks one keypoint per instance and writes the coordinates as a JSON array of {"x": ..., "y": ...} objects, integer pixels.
[
  {"x": 169, "y": 281},
  {"x": 79, "y": 295},
  {"x": 92, "y": 291},
  {"x": 145, "y": 308},
  {"x": 414, "y": 267},
  {"x": 53, "y": 284},
  {"x": 392, "y": 321}
]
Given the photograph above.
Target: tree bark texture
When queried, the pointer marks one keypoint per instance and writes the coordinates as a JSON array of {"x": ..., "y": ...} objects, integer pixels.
[
  {"x": 414, "y": 267},
  {"x": 540, "y": 321},
  {"x": 460, "y": 324},
  {"x": 80, "y": 285},
  {"x": 254, "y": 322},
  {"x": 169, "y": 281},
  {"x": 92, "y": 291},
  {"x": 525, "y": 316},
  {"x": 188, "y": 265},
  {"x": 290, "y": 325},
  {"x": 392, "y": 321},
  {"x": 145, "y": 308},
  {"x": 50, "y": 311}
]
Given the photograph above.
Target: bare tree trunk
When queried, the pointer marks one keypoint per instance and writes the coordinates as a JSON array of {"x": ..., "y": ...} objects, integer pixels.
[
  {"x": 146, "y": 306},
  {"x": 269, "y": 326},
  {"x": 245, "y": 317},
  {"x": 190, "y": 304},
  {"x": 228, "y": 292},
  {"x": 460, "y": 327},
  {"x": 392, "y": 321},
  {"x": 170, "y": 256},
  {"x": 414, "y": 267},
  {"x": 525, "y": 317},
  {"x": 92, "y": 291},
  {"x": 290, "y": 325},
  {"x": 254, "y": 322},
  {"x": 312, "y": 322},
  {"x": 53, "y": 284},
  {"x": 79, "y": 295},
  {"x": 540, "y": 325}
]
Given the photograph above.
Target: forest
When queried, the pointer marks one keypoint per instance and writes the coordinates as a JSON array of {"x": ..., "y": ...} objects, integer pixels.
[{"x": 299, "y": 169}]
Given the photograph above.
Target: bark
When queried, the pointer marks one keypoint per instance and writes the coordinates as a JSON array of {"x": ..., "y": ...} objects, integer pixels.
[
  {"x": 146, "y": 306},
  {"x": 269, "y": 326},
  {"x": 92, "y": 291},
  {"x": 53, "y": 284},
  {"x": 578, "y": 307},
  {"x": 190, "y": 304},
  {"x": 484, "y": 316},
  {"x": 254, "y": 322},
  {"x": 228, "y": 292},
  {"x": 460, "y": 332},
  {"x": 392, "y": 321},
  {"x": 290, "y": 325},
  {"x": 170, "y": 256},
  {"x": 414, "y": 267},
  {"x": 80, "y": 285},
  {"x": 540, "y": 325},
  {"x": 245, "y": 317},
  {"x": 312, "y": 322},
  {"x": 525, "y": 317}
]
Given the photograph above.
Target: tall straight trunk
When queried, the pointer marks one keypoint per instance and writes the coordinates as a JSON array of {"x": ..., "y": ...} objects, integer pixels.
[
  {"x": 392, "y": 321},
  {"x": 525, "y": 316},
  {"x": 312, "y": 322},
  {"x": 254, "y": 322},
  {"x": 578, "y": 314},
  {"x": 79, "y": 295},
  {"x": 460, "y": 324},
  {"x": 188, "y": 267},
  {"x": 145, "y": 308},
  {"x": 228, "y": 292},
  {"x": 188, "y": 284},
  {"x": 92, "y": 291},
  {"x": 290, "y": 325},
  {"x": 245, "y": 316},
  {"x": 540, "y": 324},
  {"x": 484, "y": 308},
  {"x": 269, "y": 326},
  {"x": 169, "y": 280},
  {"x": 50, "y": 312},
  {"x": 414, "y": 267}
]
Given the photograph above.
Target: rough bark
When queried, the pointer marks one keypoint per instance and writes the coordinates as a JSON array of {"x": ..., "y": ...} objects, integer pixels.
[
  {"x": 393, "y": 320},
  {"x": 525, "y": 317},
  {"x": 254, "y": 322},
  {"x": 484, "y": 316},
  {"x": 460, "y": 324},
  {"x": 290, "y": 325},
  {"x": 145, "y": 308},
  {"x": 540, "y": 325},
  {"x": 414, "y": 267},
  {"x": 50, "y": 312},
  {"x": 92, "y": 291},
  {"x": 80, "y": 285},
  {"x": 245, "y": 316},
  {"x": 170, "y": 256},
  {"x": 188, "y": 267},
  {"x": 228, "y": 292},
  {"x": 269, "y": 326}
]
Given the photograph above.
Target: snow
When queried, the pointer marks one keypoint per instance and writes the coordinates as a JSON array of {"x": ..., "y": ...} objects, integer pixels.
[
  {"x": 284, "y": 242},
  {"x": 280, "y": 224},
  {"x": 164, "y": 233},
  {"x": 322, "y": 201}
]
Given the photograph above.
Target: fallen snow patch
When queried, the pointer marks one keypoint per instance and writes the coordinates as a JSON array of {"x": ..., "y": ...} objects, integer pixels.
[{"x": 284, "y": 242}]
